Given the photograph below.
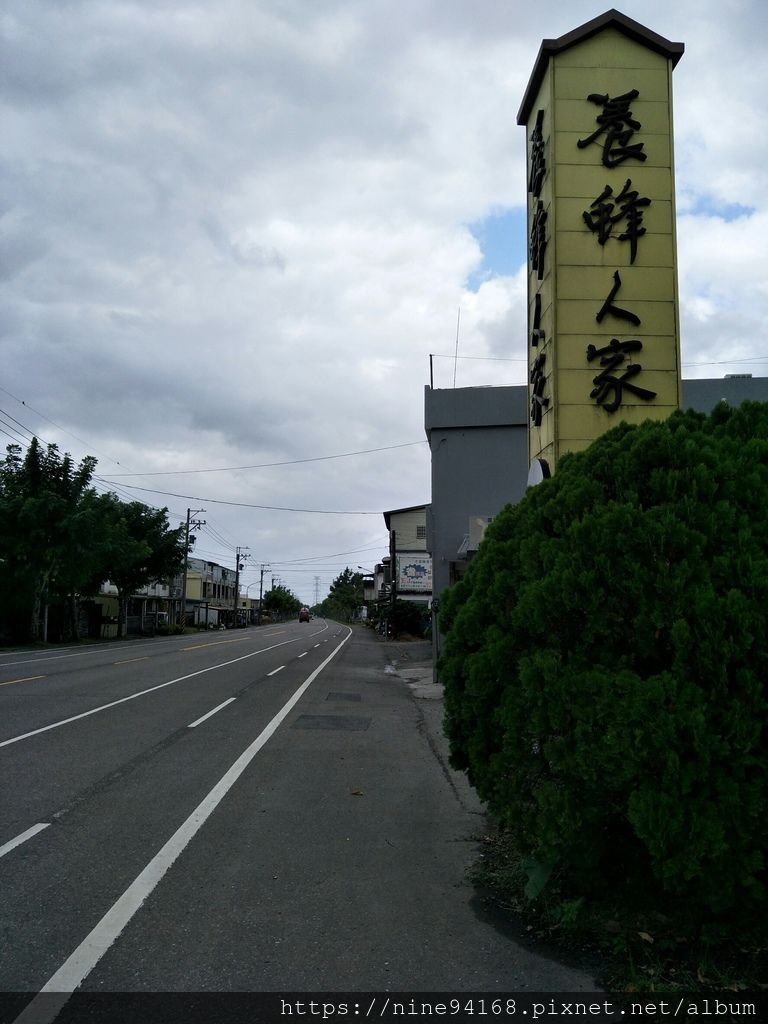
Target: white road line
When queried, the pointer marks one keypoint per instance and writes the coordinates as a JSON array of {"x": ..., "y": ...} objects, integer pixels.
[
  {"x": 61, "y": 655},
  {"x": 43, "y": 1009},
  {"x": 13, "y": 843},
  {"x": 141, "y": 693},
  {"x": 194, "y": 725},
  {"x": 275, "y": 671},
  {"x": 304, "y": 654}
]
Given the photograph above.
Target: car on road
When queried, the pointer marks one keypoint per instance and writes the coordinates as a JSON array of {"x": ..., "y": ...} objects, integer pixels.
[{"x": 304, "y": 615}]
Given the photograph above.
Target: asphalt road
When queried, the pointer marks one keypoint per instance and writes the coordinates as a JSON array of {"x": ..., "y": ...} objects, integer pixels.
[{"x": 264, "y": 810}]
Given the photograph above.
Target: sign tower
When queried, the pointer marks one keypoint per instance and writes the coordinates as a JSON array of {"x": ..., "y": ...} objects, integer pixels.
[{"x": 603, "y": 325}]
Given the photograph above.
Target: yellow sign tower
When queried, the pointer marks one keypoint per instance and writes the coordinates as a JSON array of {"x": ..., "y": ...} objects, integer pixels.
[{"x": 603, "y": 326}]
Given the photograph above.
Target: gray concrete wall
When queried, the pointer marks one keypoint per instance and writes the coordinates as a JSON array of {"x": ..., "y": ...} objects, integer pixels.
[
  {"x": 703, "y": 395},
  {"x": 479, "y": 443}
]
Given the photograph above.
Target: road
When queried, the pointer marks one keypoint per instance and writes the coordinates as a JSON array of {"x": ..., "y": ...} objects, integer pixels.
[{"x": 263, "y": 810}]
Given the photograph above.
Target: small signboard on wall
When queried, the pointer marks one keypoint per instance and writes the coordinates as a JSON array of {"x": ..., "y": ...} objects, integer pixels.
[{"x": 414, "y": 574}]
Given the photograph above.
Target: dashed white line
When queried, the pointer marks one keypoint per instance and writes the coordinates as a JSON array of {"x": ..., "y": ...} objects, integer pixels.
[
  {"x": 45, "y": 1007},
  {"x": 141, "y": 693},
  {"x": 304, "y": 654},
  {"x": 275, "y": 671},
  {"x": 194, "y": 725},
  {"x": 13, "y": 843}
]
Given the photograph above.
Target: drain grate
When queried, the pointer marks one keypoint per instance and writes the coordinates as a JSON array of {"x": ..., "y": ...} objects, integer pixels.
[
  {"x": 344, "y": 723},
  {"x": 338, "y": 695}
]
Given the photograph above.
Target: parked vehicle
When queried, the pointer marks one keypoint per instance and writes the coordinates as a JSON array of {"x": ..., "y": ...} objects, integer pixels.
[{"x": 304, "y": 615}]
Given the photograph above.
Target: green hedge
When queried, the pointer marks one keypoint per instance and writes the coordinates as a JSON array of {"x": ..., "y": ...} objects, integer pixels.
[{"x": 605, "y": 666}]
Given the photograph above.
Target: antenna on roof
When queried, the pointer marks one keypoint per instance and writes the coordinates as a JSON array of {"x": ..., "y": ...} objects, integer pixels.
[{"x": 456, "y": 355}]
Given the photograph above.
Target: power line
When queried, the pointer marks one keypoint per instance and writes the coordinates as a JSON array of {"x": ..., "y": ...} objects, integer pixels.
[
  {"x": 217, "y": 537},
  {"x": 271, "y": 465},
  {"x": 487, "y": 359},
  {"x": 726, "y": 362},
  {"x": 21, "y": 401},
  {"x": 244, "y": 504},
  {"x": 335, "y": 554}
]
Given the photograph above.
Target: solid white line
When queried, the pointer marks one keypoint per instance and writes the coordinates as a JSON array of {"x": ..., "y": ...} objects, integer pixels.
[
  {"x": 82, "y": 961},
  {"x": 274, "y": 673},
  {"x": 13, "y": 843},
  {"x": 193, "y": 725},
  {"x": 141, "y": 693}
]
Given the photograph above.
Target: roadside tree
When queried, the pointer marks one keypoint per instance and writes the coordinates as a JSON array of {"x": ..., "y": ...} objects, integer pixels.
[
  {"x": 345, "y": 596},
  {"x": 139, "y": 548},
  {"x": 44, "y": 498},
  {"x": 605, "y": 668},
  {"x": 281, "y": 603}
]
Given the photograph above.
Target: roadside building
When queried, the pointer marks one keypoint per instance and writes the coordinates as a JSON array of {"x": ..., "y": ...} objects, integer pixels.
[
  {"x": 410, "y": 561},
  {"x": 210, "y": 594}
]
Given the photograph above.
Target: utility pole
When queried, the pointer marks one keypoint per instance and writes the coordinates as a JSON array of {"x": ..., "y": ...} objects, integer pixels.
[
  {"x": 238, "y": 567},
  {"x": 192, "y": 524},
  {"x": 264, "y": 567},
  {"x": 393, "y": 563}
]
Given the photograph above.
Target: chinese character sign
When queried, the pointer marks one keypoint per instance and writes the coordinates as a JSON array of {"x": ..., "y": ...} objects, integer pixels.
[{"x": 602, "y": 333}]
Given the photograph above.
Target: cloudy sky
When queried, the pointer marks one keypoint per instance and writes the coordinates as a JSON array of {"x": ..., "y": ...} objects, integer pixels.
[{"x": 232, "y": 234}]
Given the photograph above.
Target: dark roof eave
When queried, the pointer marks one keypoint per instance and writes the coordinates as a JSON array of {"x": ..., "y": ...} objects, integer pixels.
[
  {"x": 395, "y": 511},
  {"x": 611, "y": 19}
]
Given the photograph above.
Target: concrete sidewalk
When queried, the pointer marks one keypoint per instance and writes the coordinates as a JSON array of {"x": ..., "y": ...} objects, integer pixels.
[{"x": 531, "y": 965}]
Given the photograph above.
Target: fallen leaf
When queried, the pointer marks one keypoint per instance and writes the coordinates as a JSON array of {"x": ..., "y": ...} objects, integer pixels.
[{"x": 645, "y": 936}]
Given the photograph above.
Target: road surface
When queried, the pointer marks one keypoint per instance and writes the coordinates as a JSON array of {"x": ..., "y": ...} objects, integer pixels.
[{"x": 261, "y": 810}]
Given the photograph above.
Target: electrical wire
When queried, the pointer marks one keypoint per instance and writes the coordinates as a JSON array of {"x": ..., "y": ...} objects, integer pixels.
[
  {"x": 271, "y": 465},
  {"x": 336, "y": 554},
  {"x": 244, "y": 504},
  {"x": 21, "y": 401}
]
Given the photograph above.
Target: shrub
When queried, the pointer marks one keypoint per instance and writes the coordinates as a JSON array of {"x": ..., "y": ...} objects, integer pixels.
[
  {"x": 605, "y": 665},
  {"x": 409, "y": 617}
]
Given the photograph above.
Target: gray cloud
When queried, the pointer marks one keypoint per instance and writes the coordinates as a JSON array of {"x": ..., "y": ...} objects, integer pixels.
[{"x": 234, "y": 233}]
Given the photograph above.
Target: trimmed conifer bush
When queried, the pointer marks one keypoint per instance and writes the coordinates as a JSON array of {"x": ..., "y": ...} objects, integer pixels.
[{"x": 605, "y": 664}]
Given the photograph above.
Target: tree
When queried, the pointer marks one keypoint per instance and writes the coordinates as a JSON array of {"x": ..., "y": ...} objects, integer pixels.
[
  {"x": 140, "y": 548},
  {"x": 604, "y": 667},
  {"x": 42, "y": 496},
  {"x": 345, "y": 596},
  {"x": 281, "y": 603}
]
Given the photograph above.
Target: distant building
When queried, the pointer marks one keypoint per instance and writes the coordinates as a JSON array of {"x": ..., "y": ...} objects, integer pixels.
[
  {"x": 210, "y": 599},
  {"x": 410, "y": 561}
]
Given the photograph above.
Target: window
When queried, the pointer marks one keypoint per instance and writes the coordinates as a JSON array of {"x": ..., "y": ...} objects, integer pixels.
[{"x": 421, "y": 532}]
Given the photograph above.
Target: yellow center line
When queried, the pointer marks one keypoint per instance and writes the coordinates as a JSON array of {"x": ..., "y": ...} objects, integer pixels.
[
  {"x": 26, "y": 679},
  {"x": 127, "y": 661},
  {"x": 213, "y": 643}
]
